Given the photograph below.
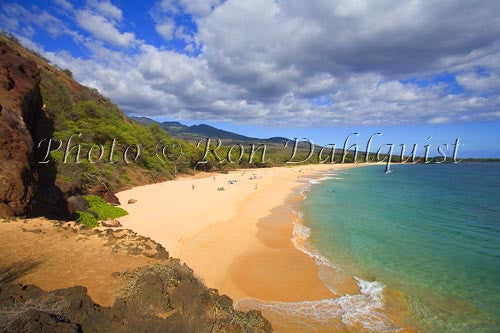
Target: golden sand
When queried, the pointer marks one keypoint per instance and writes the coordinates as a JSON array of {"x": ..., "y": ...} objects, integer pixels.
[
  {"x": 239, "y": 240},
  {"x": 37, "y": 253},
  {"x": 220, "y": 234}
]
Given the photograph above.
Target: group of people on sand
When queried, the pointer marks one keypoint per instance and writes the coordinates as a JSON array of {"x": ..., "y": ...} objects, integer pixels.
[{"x": 221, "y": 188}]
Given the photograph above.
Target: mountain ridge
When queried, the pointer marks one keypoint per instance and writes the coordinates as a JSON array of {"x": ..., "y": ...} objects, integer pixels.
[{"x": 201, "y": 131}]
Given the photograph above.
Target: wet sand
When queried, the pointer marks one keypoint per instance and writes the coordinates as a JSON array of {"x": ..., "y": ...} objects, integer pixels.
[{"x": 239, "y": 240}]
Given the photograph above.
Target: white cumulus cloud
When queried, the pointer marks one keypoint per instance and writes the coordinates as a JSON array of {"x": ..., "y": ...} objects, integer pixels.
[
  {"x": 107, "y": 9},
  {"x": 103, "y": 29},
  {"x": 298, "y": 63},
  {"x": 166, "y": 29}
]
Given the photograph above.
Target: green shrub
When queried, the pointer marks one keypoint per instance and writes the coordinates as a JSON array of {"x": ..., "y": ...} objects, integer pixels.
[
  {"x": 103, "y": 209},
  {"x": 68, "y": 72},
  {"x": 86, "y": 218}
]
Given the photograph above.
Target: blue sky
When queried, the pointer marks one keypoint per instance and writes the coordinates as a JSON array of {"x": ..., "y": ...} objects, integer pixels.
[{"x": 318, "y": 69}]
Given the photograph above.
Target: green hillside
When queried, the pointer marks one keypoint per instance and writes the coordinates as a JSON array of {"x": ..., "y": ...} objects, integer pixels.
[{"x": 71, "y": 109}]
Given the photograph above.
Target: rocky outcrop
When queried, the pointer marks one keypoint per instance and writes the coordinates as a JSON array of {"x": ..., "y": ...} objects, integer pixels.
[
  {"x": 174, "y": 299},
  {"x": 164, "y": 297},
  {"x": 110, "y": 223},
  {"x": 111, "y": 198},
  {"x": 20, "y": 101},
  {"x": 77, "y": 202},
  {"x": 171, "y": 290},
  {"x": 123, "y": 241},
  {"x": 104, "y": 193}
]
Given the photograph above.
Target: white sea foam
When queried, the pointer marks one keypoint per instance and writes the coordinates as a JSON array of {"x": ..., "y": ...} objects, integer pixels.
[
  {"x": 364, "y": 309},
  {"x": 300, "y": 235},
  {"x": 361, "y": 310},
  {"x": 322, "y": 179},
  {"x": 303, "y": 192}
]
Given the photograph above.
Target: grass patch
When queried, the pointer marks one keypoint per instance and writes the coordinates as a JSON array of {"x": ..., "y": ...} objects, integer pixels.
[
  {"x": 86, "y": 218},
  {"x": 103, "y": 209},
  {"x": 99, "y": 207}
]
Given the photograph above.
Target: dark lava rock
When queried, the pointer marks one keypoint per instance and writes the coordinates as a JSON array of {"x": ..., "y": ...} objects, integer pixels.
[
  {"x": 77, "y": 202},
  {"x": 105, "y": 193},
  {"x": 26, "y": 187},
  {"x": 21, "y": 104},
  {"x": 111, "y": 198},
  {"x": 70, "y": 189},
  {"x": 170, "y": 287},
  {"x": 111, "y": 223},
  {"x": 150, "y": 293}
]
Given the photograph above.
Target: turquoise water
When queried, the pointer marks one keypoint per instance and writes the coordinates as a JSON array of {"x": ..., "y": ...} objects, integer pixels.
[{"x": 429, "y": 231}]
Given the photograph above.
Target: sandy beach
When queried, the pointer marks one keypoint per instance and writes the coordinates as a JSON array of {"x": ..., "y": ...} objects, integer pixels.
[{"x": 239, "y": 240}]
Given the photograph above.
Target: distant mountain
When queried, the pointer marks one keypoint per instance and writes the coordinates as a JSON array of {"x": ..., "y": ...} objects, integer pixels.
[
  {"x": 68, "y": 108},
  {"x": 197, "y": 132},
  {"x": 143, "y": 120}
]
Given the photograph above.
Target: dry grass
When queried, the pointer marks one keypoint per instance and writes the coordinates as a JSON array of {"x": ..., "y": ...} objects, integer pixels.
[
  {"x": 170, "y": 271},
  {"x": 16, "y": 318}
]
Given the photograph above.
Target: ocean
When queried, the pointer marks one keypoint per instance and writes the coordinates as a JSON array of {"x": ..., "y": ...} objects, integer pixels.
[{"x": 428, "y": 232}]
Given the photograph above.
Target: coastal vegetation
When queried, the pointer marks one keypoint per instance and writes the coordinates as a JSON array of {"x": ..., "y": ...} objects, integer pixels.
[
  {"x": 95, "y": 144},
  {"x": 86, "y": 219},
  {"x": 103, "y": 209},
  {"x": 99, "y": 210}
]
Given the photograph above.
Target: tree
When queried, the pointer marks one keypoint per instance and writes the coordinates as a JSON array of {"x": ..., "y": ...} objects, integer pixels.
[{"x": 68, "y": 72}]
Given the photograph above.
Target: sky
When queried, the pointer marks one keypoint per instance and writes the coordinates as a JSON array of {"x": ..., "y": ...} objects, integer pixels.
[{"x": 319, "y": 69}]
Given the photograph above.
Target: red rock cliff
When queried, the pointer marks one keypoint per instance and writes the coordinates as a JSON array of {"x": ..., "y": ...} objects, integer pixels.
[{"x": 20, "y": 105}]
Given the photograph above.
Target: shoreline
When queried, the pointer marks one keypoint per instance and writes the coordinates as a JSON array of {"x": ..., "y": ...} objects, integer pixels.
[
  {"x": 354, "y": 304},
  {"x": 243, "y": 241},
  {"x": 224, "y": 225}
]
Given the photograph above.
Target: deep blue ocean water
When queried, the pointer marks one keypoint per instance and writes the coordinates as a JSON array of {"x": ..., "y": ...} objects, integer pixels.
[{"x": 430, "y": 231}]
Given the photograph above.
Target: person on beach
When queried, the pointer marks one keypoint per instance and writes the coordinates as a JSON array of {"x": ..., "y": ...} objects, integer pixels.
[{"x": 193, "y": 187}]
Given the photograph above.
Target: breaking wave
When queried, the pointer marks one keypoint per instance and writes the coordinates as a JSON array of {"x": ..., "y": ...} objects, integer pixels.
[{"x": 363, "y": 310}]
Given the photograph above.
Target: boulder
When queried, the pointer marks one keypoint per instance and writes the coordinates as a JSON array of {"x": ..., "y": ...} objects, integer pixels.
[
  {"x": 106, "y": 194},
  {"x": 21, "y": 105},
  {"x": 77, "y": 202},
  {"x": 111, "y": 198},
  {"x": 148, "y": 294},
  {"x": 111, "y": 223},
  {"x": 69, "y": 188},
  {"x": 132, "y": 201}
]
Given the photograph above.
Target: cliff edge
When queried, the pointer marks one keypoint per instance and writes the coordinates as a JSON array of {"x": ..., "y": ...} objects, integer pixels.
[{"x": 20, "y": 105}]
